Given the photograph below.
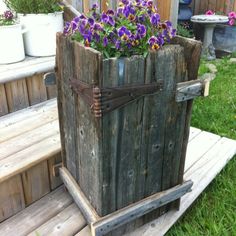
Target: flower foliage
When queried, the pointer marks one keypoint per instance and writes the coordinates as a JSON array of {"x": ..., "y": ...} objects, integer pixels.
[
  {"x": 134, "y": 28},
  {"x": 231, "y": 15},
  {"x": 7, "y": 18}
]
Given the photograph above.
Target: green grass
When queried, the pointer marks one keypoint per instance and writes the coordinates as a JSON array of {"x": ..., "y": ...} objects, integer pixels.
[{"x": 214, "y": 213}]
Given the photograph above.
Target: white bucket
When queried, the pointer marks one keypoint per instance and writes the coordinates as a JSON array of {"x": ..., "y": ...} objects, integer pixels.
[
  {"x": 40, "y": 32},
  {"x": 11, "y": 44}
]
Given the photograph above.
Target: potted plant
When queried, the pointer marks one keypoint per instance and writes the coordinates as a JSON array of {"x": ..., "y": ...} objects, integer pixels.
[
  {"x": 11, "y": 41},
  {"x": 40, "y": 20},
  {"x": 123, "y": 134}
]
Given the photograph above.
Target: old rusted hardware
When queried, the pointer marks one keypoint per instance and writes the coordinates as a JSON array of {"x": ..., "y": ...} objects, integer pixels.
[{"x": 104, "y": 100}]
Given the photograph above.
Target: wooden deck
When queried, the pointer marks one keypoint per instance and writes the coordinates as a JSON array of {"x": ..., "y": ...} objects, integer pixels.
[
  {"x": 21, "y": 84},
  {"x": 56, "y": 214}
]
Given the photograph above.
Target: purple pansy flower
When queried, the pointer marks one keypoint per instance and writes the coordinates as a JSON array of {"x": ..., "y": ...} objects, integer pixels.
[
  {"x": 141, "y": 30},
  {"x": 155, "y": 19}
]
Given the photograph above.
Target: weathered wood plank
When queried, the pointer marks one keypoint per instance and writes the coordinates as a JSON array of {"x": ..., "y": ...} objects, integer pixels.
[
  {"x": 28, "y": 124},
  {"x": 138, "y": 209},
  {"x": 29, "y": 157},
  {"x": 27, "y": 139},
  {"x": 204, "y": 140},
  {"x": 55, "y": 179},
  {"x": 201, "y": 173},
  {"x": 17, "y": 95},
  {"x": 11, "y": 197},
  {"x": 36, "y": 89},
  {"x": 3, "y": 101},
  {"x": 68, "y": 222},
  {"x": 36, "y": 214},
  {"x": 26, "y": 68},
  {"x": 36, "y": 182},
  {"x": 34, "y": 111},
  {"x": 80, "y": 199},
  {"x": 68, "y": 102},
  {"x": 89, "y": 159}
]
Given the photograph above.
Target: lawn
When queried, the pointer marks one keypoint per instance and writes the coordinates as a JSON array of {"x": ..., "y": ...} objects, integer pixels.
[{"x": 214, "y": 213}]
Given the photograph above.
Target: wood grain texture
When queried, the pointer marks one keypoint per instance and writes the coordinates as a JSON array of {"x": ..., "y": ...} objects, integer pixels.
[
  {"x": 36, "y": 214},
  {"x": 66, "y": 223},
  {"x": 36, "y": 182},
  {"x": 11, "y": 197},
  {"x": 3, "y": 101},
  {"x": 202, "y": 171},
  {"x": 36, "y": 89},
  {"x": 17, "y": 95}
]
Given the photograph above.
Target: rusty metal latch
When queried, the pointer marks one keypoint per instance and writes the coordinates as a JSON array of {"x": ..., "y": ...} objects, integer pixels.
[{"x": 104, "y": 100}]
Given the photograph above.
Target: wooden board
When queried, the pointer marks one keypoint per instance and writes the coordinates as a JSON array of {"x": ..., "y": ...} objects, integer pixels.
[
  {"x": 29, "y": 124},
  {"x": 27, "y": 139},
  {"x": 37, "y": 214},
  {"x": 3, "y": 101},
  {"x": 34, "y": 111},
  {"x": 29, "y": 67},
  {"x": 201, "y": 173},
  {"x": 67, "y": 223},
  {"x": 36, "y": 89},
  {"x": 36, "y": 182},
  {"x": 29, "y": 157},
  {"x": 17, "y": 95},
  {"x": 11, "y": 197}
]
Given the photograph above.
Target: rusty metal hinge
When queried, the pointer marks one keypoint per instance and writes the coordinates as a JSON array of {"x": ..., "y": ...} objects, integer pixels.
[{"x": 104, "y": 100}]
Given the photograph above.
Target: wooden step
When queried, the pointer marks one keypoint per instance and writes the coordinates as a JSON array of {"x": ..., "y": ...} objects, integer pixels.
[
  {"x": 22, "y": 85},
  {"x": 207, "y": 155},
  {"x": 29, "y": 148}
]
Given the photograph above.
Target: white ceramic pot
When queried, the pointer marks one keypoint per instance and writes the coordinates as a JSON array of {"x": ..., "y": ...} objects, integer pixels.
[
  {"x": 11, "y": 44},
  {"x": 40, "y": 32}
]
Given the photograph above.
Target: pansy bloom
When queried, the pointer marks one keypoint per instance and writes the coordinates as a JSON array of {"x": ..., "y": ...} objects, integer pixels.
[{"x": 134, "y": 28}]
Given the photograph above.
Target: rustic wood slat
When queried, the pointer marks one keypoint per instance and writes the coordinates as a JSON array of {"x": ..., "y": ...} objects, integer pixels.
[
  {"x": 34, "y": 111},
  {"x": 80, "y": 199},
  {"x": 36, "y": 214},
  {"x": 201, "y": 173},
  {"x": 36, "y": 182},
  {"x": 26, "y": 68},
  {"x": 138, "y": 209},
  {"x": 29, "y": 124},
  {"x": 17, "y": 95},
  {"x": 29, "y": 157},
  {"x": 67, "y": 97},
  {"x": 11, "y": 198},
  {"x": 89, "y": 159},
  {"x": 36, "y": 89},
  {"x": 55, "y": 179},
  {"x": 206, "y": 141},
  {"x": 3, "y": 101},
  {"x": 26, "y": 139},
  {"x": 67, "y": 223}
]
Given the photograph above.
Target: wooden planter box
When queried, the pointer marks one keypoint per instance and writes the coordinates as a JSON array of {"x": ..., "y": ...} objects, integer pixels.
[{"x": 123, "y": 134}]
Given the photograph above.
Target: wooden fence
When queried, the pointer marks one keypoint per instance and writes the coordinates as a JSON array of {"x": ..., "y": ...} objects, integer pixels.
[
  {"x": 223, "y": 6},
  {"x": 168, "y": 9}
]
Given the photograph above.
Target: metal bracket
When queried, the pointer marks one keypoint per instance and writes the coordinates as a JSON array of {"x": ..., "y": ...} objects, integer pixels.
[
  {"x": 104, "y": 100},
  {"x": 55, "y": 169},
  {"x": 49, "y": 79},
  {"x": 192, "y": 89}
]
